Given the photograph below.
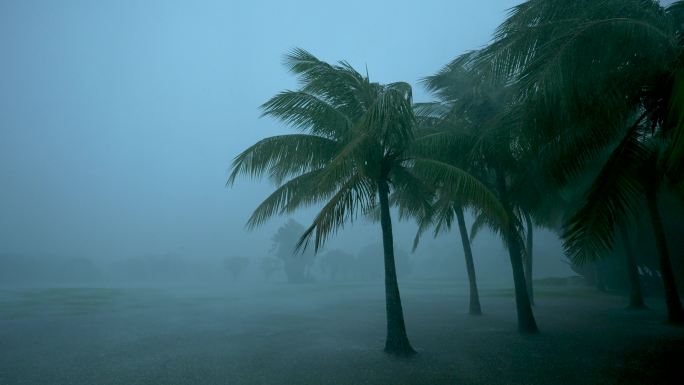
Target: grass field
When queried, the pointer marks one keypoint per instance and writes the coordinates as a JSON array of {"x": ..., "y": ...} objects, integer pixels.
[{"x": 325, "y": 333}]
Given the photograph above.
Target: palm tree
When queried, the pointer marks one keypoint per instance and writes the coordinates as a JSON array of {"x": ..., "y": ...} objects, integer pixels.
[
  {"x": 447, "y": 208},
  {"x": 477, "y": 130},
  {"x": 355, "y": 148},
  {"x": 597, "y": 76}
]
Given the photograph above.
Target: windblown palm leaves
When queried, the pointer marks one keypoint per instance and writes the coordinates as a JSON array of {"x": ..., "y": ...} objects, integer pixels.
[
  {"x": 595, "y": 75},
  {"x": 354, "y": 134},
  {"x": 600, "y": 79},
  {"x": 477, "y": 129},
  {"x": 453, "y": 132}
]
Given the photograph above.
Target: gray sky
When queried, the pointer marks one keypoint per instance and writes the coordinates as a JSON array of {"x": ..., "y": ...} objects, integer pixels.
[{"x": 119, "y": 119}]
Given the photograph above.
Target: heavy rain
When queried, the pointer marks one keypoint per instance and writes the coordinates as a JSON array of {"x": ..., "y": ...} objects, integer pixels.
[{"x": 341, "y": 192}]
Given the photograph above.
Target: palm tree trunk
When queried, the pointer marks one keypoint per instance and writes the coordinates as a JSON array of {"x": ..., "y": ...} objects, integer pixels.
[
  {"x": 529, "y": 246},
  {"x": 674, "y": 305},
  {"x": 526, "y": 321},
  {"x": 397, "y": 341},
  {"x": 474, "y": 307},
  {"x": 636, "y": 297},
  {"x": 600, "y": 284}
]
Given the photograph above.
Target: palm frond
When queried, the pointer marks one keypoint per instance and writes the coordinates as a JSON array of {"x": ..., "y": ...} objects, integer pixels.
[
  {"x": 340, "y": 85},
  {"x": 410, "y": 193},
  {"x": 674, "y": 155},
  {"x": 353, "y": 197},
  {"x": 460, "y": 186},
  {"x": 307, "y": 112},
  {"x": 587, "y": 61},
  {"x": 589, "y": 233},
  {"x": 283, "y": 156},
  {"x": 301, "y": 191},
  {"x": 481, "y": 222}
]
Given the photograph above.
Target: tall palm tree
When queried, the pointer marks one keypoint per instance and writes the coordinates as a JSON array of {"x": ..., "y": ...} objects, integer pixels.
[
  {"x": 354, "y": 149},
  {"x": 447, "y": 208},
  {"x": 477, "y": 130},
  {"x": 597, "y": 76}
]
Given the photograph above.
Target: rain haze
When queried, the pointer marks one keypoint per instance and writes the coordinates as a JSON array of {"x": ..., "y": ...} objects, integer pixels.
[{"x": 122, "y": 121}]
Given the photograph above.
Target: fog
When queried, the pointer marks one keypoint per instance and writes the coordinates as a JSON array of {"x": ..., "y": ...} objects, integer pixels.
[
  {"x": 126, "y": 257},
  {"x": 120, "y": 119}
]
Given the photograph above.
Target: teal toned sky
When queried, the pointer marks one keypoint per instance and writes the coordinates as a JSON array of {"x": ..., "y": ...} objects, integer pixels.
[{"x": 119, "y": 119}]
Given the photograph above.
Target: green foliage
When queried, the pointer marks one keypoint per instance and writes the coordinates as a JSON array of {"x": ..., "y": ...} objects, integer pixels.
[
  {"x": 612, "y": 198},
  {"x": 474, "y": 127},
  {"x": 596, "y": 80}
]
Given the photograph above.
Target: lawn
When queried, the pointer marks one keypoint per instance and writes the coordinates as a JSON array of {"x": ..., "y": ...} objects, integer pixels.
[{"x": 319, "y": 333}]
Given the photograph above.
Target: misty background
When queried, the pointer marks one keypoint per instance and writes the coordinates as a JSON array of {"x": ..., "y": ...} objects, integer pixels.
[{"x": 119, "y": 121}]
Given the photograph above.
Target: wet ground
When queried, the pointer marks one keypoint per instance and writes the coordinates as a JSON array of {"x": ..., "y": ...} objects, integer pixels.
[{"x": 326, "y": 334}]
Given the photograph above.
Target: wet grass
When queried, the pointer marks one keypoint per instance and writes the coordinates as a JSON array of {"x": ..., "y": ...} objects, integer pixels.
[
  {"x": 57, "y": 301},
  {"x": 23, "y": 303},
  {"x": 578, "y": 292},
  {"x": 325, "y": 333}
]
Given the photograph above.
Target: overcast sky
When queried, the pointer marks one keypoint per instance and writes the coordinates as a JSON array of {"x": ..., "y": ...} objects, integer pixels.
[{"x": 119, "y": 119}]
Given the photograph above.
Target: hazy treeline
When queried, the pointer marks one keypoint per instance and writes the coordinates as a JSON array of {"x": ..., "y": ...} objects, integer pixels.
[
  {"x": 63, "y": 270},
  {"x": 358, "y": 263}
]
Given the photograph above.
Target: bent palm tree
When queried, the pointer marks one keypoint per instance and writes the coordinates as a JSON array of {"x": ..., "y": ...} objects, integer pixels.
[
  {"x": 476, "y": 131},
  {"x": 601, "y": 76},
  {"x": 446, "y": 208},
  {"x": 354, "y": 149}
]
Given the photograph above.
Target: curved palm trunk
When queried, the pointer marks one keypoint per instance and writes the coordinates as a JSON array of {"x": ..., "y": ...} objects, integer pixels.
[
  {"x": 474, "y": 307},
  {"x": 529, "y": 246},
  {"x": 600, "y": 284},
  {"x": 526, "y": 322},
  {"x": 397, "y": 341},
  {"x": 674, "y": 305},
  {"x": 636, "y": 297}
]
